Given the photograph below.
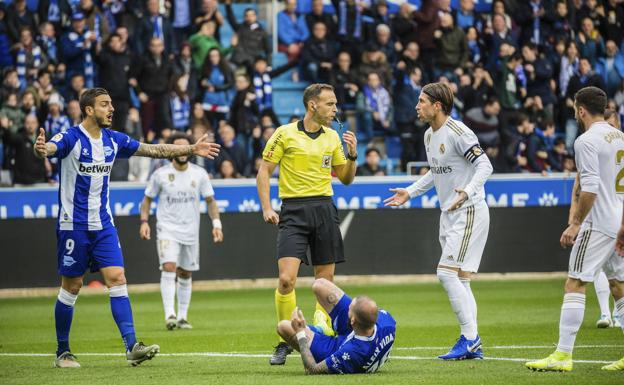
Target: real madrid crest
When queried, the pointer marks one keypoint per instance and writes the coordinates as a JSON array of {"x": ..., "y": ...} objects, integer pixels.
[
  {"x": 171, "y": 177},
  {"x": 442, "y": 149}
]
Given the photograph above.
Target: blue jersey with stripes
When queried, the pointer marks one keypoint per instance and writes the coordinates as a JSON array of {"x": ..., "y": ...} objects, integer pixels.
[{"x": 85, "y": 164}]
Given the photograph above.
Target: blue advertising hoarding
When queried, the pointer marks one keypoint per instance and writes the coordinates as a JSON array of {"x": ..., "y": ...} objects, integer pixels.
[{"x": 241, "y": 196}]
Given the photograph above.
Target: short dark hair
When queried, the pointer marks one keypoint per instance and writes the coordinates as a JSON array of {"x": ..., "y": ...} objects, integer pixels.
[
  {"x": 179, "y": 135},
  {"x": 442, "y": 93},
  {"x": 313, "y": 91},
  {"x": 593, "y": 99},
  {"x": 87, "y": 99},
  {"x": 372, "y": 149}
]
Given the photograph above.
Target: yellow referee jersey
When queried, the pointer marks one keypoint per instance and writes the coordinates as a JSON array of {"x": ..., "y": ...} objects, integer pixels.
[{"x": 305, "y": 159}]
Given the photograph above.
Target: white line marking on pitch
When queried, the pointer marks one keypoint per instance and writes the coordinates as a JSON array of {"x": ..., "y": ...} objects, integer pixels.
[
  {"x": 245, "y": 355},
  {"x": 510, "y": 347}
]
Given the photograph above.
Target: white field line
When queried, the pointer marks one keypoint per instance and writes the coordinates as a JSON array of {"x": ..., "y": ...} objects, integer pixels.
[
  {"x": 511, "y": 347},
  {"x": 246, "y": 355}
]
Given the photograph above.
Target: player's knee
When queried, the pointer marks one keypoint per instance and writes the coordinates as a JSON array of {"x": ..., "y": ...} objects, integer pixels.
[
  {"x": 574, "y": 285},
  {"x": 286, "y": 283},
  {"x": 116, "y": 279},
  {"x": 169, "y": 267},
  {"x": 73, "y": 286},
  {"x": 320, "y": 285},
  {"x": 446, "y": 274},
  {"x": 283, "y": 329},
  {"x": 617, "y": 288}
]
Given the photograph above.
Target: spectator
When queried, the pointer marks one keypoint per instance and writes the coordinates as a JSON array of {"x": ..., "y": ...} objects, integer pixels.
[
  {"x": 494, "y": 38},
  {"x": 47, "y": 42},
  {"x": 227, "y": 170},
  {"x": 43, "y": 85},
  {"x": 56, "y": 12},
  {"x": 150, "y": 77},
  {"x": 182, "y": 23},
  {"x": 251, "y": 41},
  {"x": 374, "y": 107},
  {"x": 76, "y": 87},
  {"x": 558, "y": 155},
  {"x": 262, "y": 80},
  {"x": 27, "y": 168},
  {"x": 202, "y": 42},
  {"x": 183, "y": 65},
  {"x": 589, "y": 41},
  {"x": 350, "y": 25},
  {"x": 154, "y": 25},
  {"x": 509, "y": 91},
  {"x": 19, "y": 17},
  {"x": 345, "y": 82},
  {"x": 371, "y": 164},
  {"x": 318, "y": 15},
  {"x": 317, "y": 56},
  {"x": 78, "y": 47},
  {"x": 475, "y": 48},
  {"x": 613, "y": 13},
  {"x": 217, "y": 82},
  {"x": 562, "y": 28},
  {"x": 6, "y": 60},
  {"x": 539, "y": 74},
  {"x": 29, "y": 58},
  {"x": 180, "y": 103},
  {"x": 10, "y": 83},
  {"x": 244, "y": 112},
  {"x": 114, "y": 75},
  {"x": 373, "y": 60},
  {"x": 410, "y": 58},
  {"x": 73, "y": 112},
  {"x": 584, "y": 78},
  {"x": 30, "y": 102},
  {"x": 12, "y": 113},
  {"x": 407, "y": 91},
  {"x": 384, "y": 40},
  {"x": 534, "y": 20},
  {"x": 232, "y": 150},
  {"x": 56, "y": 121},
  {"x": 466, "y": 17},
  {"x": 452, "y": 47},
  {"x": 533, "y": 155},
  {"x": 95, "y": 20},
  {"x": 478, "y": 91},
  {"x": 611, "y": 68},
  {"x": 292, "y": 31},
  {"x": 569, "y": 66},
  {"x": 375, "y": 15},
  {"x": 427, "y": 22},
  {"x": 484, "y": 122},
  {"x": 209, "y": 11},
  {"x": 198, "y": 117},
  {"x": 403, "y": 25}
]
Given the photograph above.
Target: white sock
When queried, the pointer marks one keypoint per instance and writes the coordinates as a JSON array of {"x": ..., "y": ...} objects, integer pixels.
[
  {"x": 167, "y": 290},
  {"x": 601, "y": 284},
  {"x": 471, "y": 301},
  {"x": 184, "y": 297},
  {"x": 459, "y": 302},
  {"x": 618, "y": 310},
  {"x": 572, "y": 312}
]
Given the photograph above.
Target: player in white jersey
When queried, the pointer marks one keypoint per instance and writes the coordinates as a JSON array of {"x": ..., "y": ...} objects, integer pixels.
[
  {"x": 86, "y": 235},
  {"x": 598, "y": 201},
  {"x": 458, "y": 170},
  {"x": 179, "y": 187}
]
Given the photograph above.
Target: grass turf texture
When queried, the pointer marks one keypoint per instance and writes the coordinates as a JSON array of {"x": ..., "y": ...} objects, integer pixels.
[{"x": 520, "y": 313}]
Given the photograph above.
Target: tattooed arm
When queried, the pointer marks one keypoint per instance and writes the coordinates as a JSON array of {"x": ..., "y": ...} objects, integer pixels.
[
  {"x": 298, "y": 324},
  {"x": 201, "y": 148}
]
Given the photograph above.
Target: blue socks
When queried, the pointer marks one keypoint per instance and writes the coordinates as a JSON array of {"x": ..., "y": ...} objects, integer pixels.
[
  {"x": 122, "y": 313},
  {"x": 63, "y": 314}
]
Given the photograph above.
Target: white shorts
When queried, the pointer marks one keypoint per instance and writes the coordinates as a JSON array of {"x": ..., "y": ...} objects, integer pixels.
[
  {"x": 592, "y": 253},
  {"x": 183, "y": 255},
  {"x": 463, "y": 234}
]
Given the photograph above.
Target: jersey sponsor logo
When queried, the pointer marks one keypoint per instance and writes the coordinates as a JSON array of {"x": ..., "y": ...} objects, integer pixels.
[
  {"x": 441, "y": 169},
  {"x": 68, "y": 260},
  {"x": 473, "y": 153},
  {"x": 326, "y": 161},
  {"x": 92, "y": 169},
  {"x": 57, "y": 137},
  {"x": 442, "y": 149},
  {"x": 108, "y": 151},
  {"x": 171, "y": 177}
]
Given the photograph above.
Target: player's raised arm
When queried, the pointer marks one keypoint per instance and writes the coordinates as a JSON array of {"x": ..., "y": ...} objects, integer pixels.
[
  {"x": 202, "y": 148},
  {"x": 43, "y": 149},
  {"x": 298, "y": 324}
]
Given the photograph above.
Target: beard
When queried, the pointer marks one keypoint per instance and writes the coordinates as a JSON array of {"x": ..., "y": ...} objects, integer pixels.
[
  {"x": 321, "y": 120},
  {"x": 182, "y": 160},
  {"x": 102, "y": 122},
  {"x": 581, "y": 125}
]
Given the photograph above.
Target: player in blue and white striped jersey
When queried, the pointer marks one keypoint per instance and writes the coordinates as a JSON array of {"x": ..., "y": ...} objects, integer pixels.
[{"x": 86, "y": 236}]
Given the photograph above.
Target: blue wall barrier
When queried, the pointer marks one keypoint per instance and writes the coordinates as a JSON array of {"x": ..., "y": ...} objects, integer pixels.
[{"x": 241, "y": 195}]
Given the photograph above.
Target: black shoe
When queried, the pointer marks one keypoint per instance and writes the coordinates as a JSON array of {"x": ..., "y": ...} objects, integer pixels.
[{"x": 279, "y": 355}]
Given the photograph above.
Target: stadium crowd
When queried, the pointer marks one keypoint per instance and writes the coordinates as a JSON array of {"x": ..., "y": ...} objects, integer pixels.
[{"x": 514, "y": 70}]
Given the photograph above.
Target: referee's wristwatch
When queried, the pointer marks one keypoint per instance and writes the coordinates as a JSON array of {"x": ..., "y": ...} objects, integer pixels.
[{"x": 352, "y": 158}]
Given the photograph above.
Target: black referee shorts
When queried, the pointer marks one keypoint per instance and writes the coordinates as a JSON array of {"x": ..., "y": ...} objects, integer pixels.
[{"x": 310, "y": 222}]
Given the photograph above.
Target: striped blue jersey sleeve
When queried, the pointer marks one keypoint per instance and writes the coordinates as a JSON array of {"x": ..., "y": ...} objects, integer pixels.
[{"x": 64, "y": 142}]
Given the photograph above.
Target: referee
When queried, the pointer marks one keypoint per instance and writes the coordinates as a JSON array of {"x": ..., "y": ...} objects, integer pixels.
[{"x": 307, "y": 151}]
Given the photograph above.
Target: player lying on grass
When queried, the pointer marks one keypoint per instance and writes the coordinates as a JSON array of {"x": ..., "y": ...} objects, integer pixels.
[{"x": 365, "y": 334}]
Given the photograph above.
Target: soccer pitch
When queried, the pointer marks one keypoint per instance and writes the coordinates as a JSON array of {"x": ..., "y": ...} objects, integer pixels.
[{"x": 233, "y": 338}]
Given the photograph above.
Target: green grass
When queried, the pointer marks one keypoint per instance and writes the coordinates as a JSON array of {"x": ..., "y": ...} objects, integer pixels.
[{"x": 510, "y": 313}]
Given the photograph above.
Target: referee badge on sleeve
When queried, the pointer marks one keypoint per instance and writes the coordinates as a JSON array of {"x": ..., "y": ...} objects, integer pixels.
[
  {"x": 473, "y": 153},
  {"x": 327, "y": 159}
]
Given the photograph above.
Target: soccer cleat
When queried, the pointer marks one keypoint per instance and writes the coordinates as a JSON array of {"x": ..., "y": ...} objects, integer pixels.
[
  {"x": 66, "y": 360},
  {"x": 320, "y": 321},
  {"x": 140, "y": 352},
  {"x": 476, "y": 355},
  {"x": 616, "y": 321},
  {"x": 171, "y": 322},
  {"x": 279, "y": 355},
  {"x": 556, "y": 362},
  {"x": 184, "y": 324},
  {"x": 604, "y": 322},
  {"x": 617, "y": 365},
  {"x": 463, "y": 349}
]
